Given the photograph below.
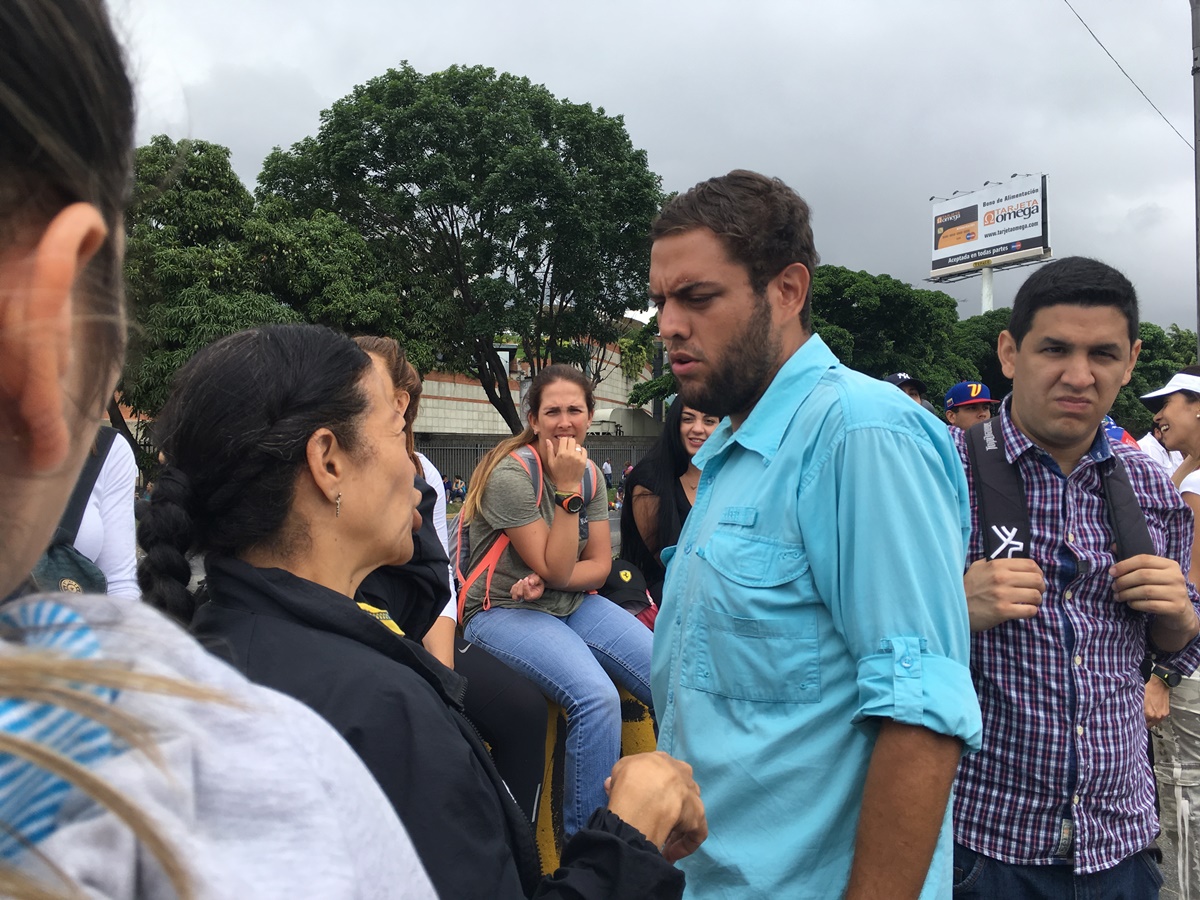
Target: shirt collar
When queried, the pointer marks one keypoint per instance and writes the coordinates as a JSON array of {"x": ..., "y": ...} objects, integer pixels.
[
  {"x": 1016, "y": 444},
  {"x": 764, "y": 428}
]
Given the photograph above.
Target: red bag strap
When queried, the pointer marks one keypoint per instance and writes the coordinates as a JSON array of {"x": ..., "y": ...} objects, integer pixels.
[
  {"x": 457, "y": 556},
  {"x": 529, "y": 460},
  {"x": 487, "y": 564}
]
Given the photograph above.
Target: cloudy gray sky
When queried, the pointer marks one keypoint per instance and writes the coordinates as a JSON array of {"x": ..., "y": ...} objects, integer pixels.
[{"x": 867, "y": 107}]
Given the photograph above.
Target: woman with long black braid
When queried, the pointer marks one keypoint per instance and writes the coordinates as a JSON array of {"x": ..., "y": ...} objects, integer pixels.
[{"x": 295, "y": 491}]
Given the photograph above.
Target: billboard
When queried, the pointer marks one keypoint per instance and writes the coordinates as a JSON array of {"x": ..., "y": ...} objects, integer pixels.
[{"x": 1000, "y": 224}]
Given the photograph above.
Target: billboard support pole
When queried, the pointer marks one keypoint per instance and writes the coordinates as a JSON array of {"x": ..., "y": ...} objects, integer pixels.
[
  {"x": 1196, "y": 145},
  {"x": 985, "y": 284}
]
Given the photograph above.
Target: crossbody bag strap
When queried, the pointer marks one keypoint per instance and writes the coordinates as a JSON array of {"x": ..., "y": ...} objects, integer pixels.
[
  {"x": 999, "y": 494},
  {"x": 528, "y": 457},
  {"x": 72, "y": 518},
  {"x": 1125, "y": 514}
]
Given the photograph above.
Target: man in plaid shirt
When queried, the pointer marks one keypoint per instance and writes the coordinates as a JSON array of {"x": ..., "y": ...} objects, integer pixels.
[{"x": 1060, "y": 800}]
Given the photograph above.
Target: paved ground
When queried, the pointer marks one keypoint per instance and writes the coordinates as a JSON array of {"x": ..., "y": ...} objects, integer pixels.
[{"x": 1170, "y": 888}]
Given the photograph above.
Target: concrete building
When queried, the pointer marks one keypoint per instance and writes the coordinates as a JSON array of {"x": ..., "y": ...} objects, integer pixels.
[{"x": 456, "y": 404}]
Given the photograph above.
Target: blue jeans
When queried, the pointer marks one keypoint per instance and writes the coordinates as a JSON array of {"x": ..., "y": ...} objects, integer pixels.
[
  {"x": 575, "y": 660},
  {"x": 979, "y": 877}
]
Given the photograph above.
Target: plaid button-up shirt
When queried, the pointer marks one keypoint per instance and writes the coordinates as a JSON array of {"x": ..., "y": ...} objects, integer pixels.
[{"x": 1063, "y": 776}]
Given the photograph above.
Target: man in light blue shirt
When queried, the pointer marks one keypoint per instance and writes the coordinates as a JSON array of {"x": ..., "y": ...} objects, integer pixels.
[{"x": 810, "y": 658}]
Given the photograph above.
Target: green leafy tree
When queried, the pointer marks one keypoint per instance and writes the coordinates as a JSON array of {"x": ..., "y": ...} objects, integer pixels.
[
  {"x": 879, "y": 325},
  {"x": 974, "y": 341},
  {"x": 1164, "y": 352},
  {"x": 638, "y": 349},
  {"x": 322, "y": 268},
  {"x": 489, "y": 206},
  {"x": 205, "y": 259},
  {"x": 658, "y": 388},
  {"x": 189, "y": 278}
]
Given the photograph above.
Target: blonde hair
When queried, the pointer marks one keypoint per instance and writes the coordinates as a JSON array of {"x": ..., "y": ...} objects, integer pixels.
[
  {"x": 44, "y": 677},
  {"x": 487, "y": 465},
  {"x": 533, "y": 401}
]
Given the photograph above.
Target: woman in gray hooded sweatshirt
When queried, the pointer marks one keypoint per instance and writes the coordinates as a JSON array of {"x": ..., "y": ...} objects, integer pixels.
[{"x": 132, "y": 763}]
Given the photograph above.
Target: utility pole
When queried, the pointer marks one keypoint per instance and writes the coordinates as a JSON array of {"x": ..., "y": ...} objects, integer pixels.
[{"x": 1196, "y": 145}]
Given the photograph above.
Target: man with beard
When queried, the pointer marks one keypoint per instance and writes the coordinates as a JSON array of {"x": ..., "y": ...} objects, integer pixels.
[{"x": 810, "y": 657}]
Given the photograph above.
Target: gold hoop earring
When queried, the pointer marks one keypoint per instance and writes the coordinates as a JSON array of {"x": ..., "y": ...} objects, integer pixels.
[{"x": 337, "y": 507}]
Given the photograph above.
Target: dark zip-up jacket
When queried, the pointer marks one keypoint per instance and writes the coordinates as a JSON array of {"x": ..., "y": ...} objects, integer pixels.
[
  {"x": 415, "y": 593},
  {"x": 401, "y": 711}
]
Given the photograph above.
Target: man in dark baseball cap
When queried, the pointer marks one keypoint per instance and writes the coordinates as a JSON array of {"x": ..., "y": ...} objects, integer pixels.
[
  {"x": 968, "y": 402},
  {"x": 914, "y": 387}
]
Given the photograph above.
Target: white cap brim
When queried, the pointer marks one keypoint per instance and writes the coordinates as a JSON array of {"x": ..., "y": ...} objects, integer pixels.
[{"x": 1179, "y": 382}]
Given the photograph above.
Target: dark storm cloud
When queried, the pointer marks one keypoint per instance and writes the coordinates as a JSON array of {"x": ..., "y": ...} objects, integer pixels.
[{"x": 867, "y": 108}]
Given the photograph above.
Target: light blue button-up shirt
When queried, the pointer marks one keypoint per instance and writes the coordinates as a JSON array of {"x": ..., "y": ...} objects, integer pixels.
[{"x": 816, "y": 587}]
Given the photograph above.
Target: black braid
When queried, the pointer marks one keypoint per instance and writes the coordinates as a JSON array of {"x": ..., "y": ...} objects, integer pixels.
[
  {"x": 237, "y": 423},
  {"x": 166, "y": 533}
]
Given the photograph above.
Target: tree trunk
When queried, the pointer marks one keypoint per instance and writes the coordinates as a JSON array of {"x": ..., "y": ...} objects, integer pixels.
[
  {"x": 118, "y": 422},
  {"x": 494, "y": 379}
]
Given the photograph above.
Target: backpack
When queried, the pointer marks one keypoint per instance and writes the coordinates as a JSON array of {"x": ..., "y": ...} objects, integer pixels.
[
  {"x": 460, "y": 546},
  {"x": 62, "y": 567},
  {"x": 1004, "y": 517}
]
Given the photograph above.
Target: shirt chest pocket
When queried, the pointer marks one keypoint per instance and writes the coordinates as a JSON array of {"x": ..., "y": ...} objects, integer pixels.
[
  {"x": 771, "y": 653},
  {"x": 754, "y": 560}
]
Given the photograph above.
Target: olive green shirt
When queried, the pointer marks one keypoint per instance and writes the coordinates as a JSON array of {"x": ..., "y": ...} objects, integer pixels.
[{"x": 509, "y": 501}]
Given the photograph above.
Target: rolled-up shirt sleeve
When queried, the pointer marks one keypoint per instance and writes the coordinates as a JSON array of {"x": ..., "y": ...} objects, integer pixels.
[{"x": 891, "y": 572}]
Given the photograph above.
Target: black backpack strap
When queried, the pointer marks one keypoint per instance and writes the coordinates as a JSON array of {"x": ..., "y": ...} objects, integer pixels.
[
  {"x": 68, "y": 525},
  {"x": 1125, "y": 514},
  {"x": 999, "y": 494}
]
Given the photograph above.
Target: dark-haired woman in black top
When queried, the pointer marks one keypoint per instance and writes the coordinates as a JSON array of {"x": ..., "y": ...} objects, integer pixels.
[
  {"x": 660, "y": 491},
  {"x": 287, "y": 466}
]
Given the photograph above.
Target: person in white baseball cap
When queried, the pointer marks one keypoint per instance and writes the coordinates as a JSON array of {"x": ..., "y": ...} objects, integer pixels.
[
  {"x": 1172, "y": 701},
  {"x": 1176, "y": 408}
]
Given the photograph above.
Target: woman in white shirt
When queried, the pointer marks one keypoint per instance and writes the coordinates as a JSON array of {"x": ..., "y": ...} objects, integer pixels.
[
  {"x": 1172, "y": 701},
  {"x": 107, "y": 529}
]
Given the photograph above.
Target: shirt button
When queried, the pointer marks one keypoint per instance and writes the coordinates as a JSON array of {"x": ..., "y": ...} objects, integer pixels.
[
  {"x": 1070, "y": 538},
  {"x": 1075, "y": 800},
  {"x": 1079, "y": 660},
  {"x": 687, "y": 548},
  {"x": 1079, "y": 729},
  {"x": 1068, "y": 595},
  {"x": 906, "y": 662}
]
